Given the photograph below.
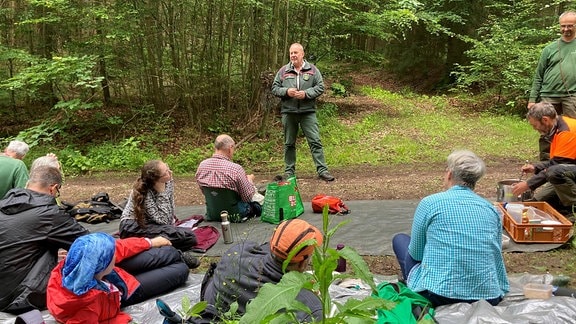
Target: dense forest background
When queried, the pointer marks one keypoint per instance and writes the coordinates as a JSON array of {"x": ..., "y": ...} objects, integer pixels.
[{"x": 91, "y": 71}]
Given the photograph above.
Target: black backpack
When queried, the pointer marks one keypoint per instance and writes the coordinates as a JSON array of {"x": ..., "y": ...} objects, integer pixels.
[{"x": 96, "y": 210}]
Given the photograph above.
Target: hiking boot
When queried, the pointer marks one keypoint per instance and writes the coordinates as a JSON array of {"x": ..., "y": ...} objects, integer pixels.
[
  {"x": 190, "y": 259},
  {"x": 326, "y": 176}
]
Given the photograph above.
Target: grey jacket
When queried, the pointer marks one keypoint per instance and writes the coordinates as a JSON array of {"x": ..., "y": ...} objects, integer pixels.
[{"x": 309, "y": 79}]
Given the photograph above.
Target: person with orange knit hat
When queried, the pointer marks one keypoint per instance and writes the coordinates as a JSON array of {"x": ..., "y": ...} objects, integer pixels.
[{"x": 247, "y": 266}]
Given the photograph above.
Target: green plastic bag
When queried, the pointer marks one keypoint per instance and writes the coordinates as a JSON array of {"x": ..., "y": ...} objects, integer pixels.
[
  {"x": 411, "y": 307},
  {"x": 282, "y": 201}
]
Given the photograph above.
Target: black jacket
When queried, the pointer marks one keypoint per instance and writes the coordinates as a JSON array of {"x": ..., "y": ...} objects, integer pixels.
[{"x": 32, "y": 230}]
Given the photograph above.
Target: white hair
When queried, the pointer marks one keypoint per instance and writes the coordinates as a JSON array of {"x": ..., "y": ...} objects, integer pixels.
[
  {"x": 19, "y": 148},
  {"x": 466, "y": 168}
]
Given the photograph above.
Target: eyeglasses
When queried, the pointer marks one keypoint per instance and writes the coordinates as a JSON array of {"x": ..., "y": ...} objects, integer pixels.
[{"x": 567, "y": 26}]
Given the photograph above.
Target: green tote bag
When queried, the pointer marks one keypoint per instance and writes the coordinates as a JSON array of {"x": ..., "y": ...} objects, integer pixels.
[{"x": 282, "y": 201}]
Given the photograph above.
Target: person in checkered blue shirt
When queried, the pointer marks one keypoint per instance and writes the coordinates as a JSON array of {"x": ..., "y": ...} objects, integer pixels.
[
  {"x": 218, "y": 171},
  {"x": 454, "y": 253}
]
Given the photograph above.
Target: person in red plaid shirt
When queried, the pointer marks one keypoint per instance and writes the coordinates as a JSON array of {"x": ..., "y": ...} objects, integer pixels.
[{"x": 219, "y": 171}]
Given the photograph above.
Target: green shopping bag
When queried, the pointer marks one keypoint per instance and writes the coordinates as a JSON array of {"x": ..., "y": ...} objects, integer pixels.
[{"x": 282, "y": 201}]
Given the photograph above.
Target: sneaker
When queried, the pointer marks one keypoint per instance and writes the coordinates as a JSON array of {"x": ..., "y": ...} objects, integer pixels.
[
  {"x": 190, "y": 259},
  {"x": 326, "y": 176}
]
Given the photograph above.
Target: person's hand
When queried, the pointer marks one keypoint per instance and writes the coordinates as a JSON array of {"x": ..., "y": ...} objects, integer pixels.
[
  {"x": 62, "y": 254},
  {"x": 528, "y": 168},
  {"x": 159, "y": 241},
  {"x": 52, "y": 155},
  {"x": 519, "y": 188},
  {"x": 292, "y": 92},
  {"x": 250, "y": 178},
  {"x": 300, "y": 94},
  {"x": 531, "y": 104}
]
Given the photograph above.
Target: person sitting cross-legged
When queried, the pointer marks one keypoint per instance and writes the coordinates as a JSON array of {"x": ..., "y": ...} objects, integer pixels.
[
  {"x": 100, "y": 275},
  {"x": 247, "y": 266},
  {"x": 151, "y": 211},
  {"x": 454, "y": 253},
  {"x": 226, "y": 186}
]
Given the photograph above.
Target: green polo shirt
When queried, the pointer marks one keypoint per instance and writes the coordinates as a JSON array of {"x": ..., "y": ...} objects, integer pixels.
[{"x": 13, "y": 174}]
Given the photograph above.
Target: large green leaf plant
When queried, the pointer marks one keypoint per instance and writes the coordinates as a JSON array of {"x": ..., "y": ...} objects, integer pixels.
[{"x": 276, "y": 303}]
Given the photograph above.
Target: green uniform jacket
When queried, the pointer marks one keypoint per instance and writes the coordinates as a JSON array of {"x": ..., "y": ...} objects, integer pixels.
[
  {"x": 309, "y": 79},
  {"x": 13, "y": 174},
  {"x": 555, "y": 76}
]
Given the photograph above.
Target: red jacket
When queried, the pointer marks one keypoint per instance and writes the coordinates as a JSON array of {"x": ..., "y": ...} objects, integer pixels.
[{"x": 95, "y": 306}]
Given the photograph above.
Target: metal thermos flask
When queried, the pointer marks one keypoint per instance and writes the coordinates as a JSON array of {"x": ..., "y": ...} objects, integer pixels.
[{"x": 226, "y": 233}]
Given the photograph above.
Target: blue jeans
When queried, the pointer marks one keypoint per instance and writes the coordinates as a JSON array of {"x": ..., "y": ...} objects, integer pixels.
[
  {"x": 400, "y": 243},
  {"x": 309, "y": 125}
]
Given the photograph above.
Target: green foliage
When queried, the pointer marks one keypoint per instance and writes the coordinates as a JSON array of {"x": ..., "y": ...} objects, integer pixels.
[
  {"x": 505, "y": 54},
  {"x": 191, "y": 311},
  {"x": 128, "y": 155},
  {"x": 66, "y": 73},
  {"x": 338, "y": 89},
  {"x": 281, "y": 296},
  {"x": 74, "y": 162},
  {"x": 187, "y": 160},
  {"x": 39, "y": 134}
]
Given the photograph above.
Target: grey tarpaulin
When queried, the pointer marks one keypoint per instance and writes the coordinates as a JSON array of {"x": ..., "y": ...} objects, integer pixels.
[
  {"x": 372, "y": 223},
  {"x": 514, "y": 309}
]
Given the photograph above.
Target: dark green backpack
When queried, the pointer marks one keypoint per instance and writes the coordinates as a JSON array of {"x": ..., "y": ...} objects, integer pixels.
[{"x": 411, "y": 307}]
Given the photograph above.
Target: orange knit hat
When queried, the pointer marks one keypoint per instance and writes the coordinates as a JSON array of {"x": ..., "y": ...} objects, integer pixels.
[{"x": 289, "y": 234}]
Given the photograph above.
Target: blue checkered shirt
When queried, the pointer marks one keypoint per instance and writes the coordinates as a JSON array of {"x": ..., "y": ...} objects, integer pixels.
[{"x": 457, "y": 236}]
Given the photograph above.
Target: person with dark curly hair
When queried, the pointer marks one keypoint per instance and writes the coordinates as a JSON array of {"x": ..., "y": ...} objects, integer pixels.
[{"x": 150, "y": 210}]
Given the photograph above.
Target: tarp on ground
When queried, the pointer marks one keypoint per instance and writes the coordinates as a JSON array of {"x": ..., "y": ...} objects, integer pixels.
[
  {"x": 371, "y": 226},
  {"x": 514, "y": 309}
]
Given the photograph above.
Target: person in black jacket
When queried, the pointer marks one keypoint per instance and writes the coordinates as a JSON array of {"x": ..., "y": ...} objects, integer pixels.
[
  {"x": 247, "y": 266},
  {"x": 33, "y": 229}
]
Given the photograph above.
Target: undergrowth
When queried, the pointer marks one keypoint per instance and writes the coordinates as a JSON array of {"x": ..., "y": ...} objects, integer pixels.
[{"x": 406, "y": 128}]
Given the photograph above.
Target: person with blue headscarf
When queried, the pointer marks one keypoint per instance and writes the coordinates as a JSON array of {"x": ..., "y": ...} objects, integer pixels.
[{"x": 100, "y": 275}]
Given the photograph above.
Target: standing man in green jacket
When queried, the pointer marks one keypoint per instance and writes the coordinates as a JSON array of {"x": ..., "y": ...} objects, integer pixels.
[
  {"x": 298, "y": 84},
  {"x": 555, "y": 77}
]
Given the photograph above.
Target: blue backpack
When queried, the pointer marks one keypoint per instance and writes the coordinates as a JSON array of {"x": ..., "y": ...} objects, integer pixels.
[{"x": 411, "y": 307}]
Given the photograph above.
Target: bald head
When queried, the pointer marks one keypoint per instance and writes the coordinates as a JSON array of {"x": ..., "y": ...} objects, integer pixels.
[{"x": 297, "y": 55}]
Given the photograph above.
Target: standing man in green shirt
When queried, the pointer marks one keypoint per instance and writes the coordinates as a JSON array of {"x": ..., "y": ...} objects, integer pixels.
[
  {"x": 554, "y": 79},
  {"x": 13, "y": 172}
]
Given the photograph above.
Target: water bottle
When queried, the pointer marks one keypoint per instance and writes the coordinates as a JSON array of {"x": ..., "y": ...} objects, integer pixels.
[
  {"x": 341, "y": 267},
  {"x": 226, "y": 233}
]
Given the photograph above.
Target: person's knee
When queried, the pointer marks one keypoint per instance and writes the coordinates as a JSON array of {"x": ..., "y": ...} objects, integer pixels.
[
  {"x": 400, "y": 239},
  {"x": 181, "y": 272}
]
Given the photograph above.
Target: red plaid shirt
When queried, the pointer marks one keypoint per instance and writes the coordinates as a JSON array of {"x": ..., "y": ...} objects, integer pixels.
[{"x": 220, "y": 172}]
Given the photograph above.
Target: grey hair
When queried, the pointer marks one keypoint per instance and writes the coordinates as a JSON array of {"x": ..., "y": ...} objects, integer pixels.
[
  {"x": 466, "y": 168},
  {"x": 223, "y": 142},
  {"x": 45, "y": 176},
  {"x": 542, "y": 109},
  {"x": 567, "y": 13},
  {"x": 46, "y": 160},
  {"x": 18, "y": 147}
]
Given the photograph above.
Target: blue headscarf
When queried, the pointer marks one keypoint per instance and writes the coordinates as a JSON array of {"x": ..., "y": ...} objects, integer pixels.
[{"x": 89, "y": 255}]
